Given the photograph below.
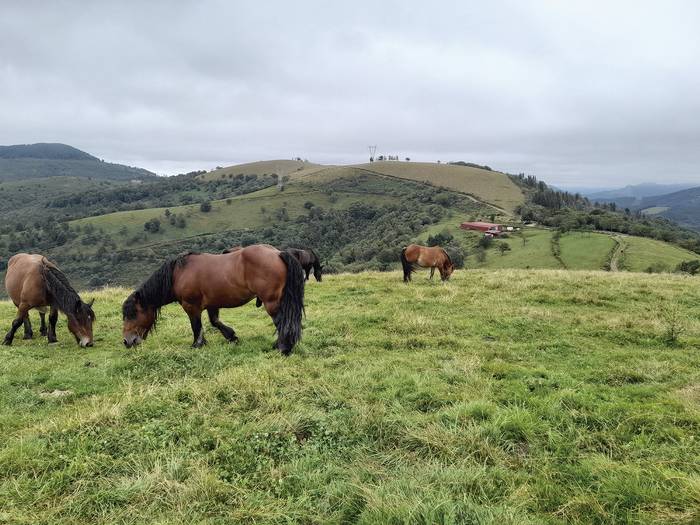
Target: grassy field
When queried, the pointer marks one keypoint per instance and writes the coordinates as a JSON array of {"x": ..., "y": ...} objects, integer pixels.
[
  {"x": 587, "y": 251},
  {"x": 503, "y": 397},
  {"x": 489, "y": 186},
  {"x": 281, "y": 167},
  {"x": 640, "y": 253}
]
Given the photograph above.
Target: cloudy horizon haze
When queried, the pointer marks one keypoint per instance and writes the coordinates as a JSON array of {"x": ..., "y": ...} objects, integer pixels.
[{"x": 596, "y": 94}]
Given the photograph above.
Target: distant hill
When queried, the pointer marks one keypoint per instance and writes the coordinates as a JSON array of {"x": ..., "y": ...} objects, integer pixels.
[
  {"x": 636, "y": 191},
  {"x": 680, "y": 206},
  {"x": 42, "y": 160},
  {"x": 484, "y": 184},
  {"x": 43, "y": 150}
]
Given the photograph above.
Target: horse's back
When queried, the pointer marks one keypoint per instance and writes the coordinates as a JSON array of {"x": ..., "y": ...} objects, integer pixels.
[
  {"x": 230, "y": 279},
  {"x": 23, "y": 279}
]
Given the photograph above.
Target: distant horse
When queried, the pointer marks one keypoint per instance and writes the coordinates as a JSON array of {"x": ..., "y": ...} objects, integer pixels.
[
  {"x": 32, "y": 281},
  {"x": 308, "y": 260},
  {"x": 432, "y": 257},
  {"x": 204, "y": 281}
]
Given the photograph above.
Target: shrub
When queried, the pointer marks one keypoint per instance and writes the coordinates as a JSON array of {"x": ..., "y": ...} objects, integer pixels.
[
  {"x": 691, "y": 267},
  {"x": 152, "y": 226},
  {"x": 205, "y": 207}
]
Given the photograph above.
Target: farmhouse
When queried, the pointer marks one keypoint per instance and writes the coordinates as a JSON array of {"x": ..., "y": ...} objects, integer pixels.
[{"x": 487, "y": 227}]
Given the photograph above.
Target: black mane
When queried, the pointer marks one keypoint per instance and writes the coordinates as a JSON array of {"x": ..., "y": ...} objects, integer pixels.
[
  {"x": 449, "y": 261},
  {"x": 63, "y": 296},
  {"x": 157, "y": 290}
]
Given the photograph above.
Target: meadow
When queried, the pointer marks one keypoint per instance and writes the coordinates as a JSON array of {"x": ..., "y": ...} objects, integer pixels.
[{"x": 508, "y": 397}]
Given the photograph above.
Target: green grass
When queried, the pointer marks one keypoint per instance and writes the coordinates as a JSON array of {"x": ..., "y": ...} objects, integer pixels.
[
  {"x": 279, "y": 167},
  {"x": 655, "y": 210},
  {"x": 501, "y": 397},
  {"x": 640, "y": 253},
  {"x": 587, "y": 251},
  {"x": 488, "y": 186}
]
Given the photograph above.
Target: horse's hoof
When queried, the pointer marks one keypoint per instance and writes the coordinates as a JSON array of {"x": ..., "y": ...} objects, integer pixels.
[
  {"x": 43, "y": 333},
  {"x": 7, "y": 342},
  {"x": 234, "y": 340},
  {"x": 28, "y": 336}
]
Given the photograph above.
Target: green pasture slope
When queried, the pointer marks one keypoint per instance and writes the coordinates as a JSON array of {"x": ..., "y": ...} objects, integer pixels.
[
  {"x": 508, "y": 398},
  {"x": 641, "y": 253}
]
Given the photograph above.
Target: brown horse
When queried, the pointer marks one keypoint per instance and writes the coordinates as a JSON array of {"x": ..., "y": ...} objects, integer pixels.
[
  {"x": 32, "y": 281},
  {"x": 431, "y": 257},
  {"x": 205, "y": 281}
]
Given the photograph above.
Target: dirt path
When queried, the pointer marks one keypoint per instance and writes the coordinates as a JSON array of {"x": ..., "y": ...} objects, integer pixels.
[{"x": 618, "y": 253}]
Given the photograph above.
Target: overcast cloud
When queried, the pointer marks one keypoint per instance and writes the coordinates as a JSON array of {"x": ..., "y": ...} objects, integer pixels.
[{"x": 581, "y": 93}]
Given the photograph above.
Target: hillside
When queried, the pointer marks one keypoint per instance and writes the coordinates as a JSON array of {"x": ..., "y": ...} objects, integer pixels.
[
  {"x": 491, "y": 187},
  {"x": 38, "y": 161},
  {"x": 505, "y": 397},
  {"x": 636, "y": 192},
  {"x": 681, "y": 206},
  {"x": 280, "y": 167},
  {"x": 356, "y": 217},
  {"x": 44, "y": 151}
]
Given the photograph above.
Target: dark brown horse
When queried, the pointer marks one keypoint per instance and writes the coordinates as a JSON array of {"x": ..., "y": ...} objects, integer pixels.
[
  {"x": 431, "y": 257},
  {"x": 308, "y": 260},
  {"x": 32, "y": 281},
  {"x": 210, "y": 282}
]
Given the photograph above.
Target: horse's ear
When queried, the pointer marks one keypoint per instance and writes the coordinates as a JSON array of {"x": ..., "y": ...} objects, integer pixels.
[{"x": 91, "y": 302}]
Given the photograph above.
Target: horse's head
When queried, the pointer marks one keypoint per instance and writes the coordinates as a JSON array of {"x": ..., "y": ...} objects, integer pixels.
[
  {"x": 138, "y": 320},
  {"x": 447, "y": 270},
  {"x": 80, "y": 323},
  {"x": 318, "y": 271}
]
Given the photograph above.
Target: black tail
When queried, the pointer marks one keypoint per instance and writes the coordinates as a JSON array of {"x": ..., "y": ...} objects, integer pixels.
[
  {"x": 288, "y": 316},
  {"x": 407, "y": 266}
]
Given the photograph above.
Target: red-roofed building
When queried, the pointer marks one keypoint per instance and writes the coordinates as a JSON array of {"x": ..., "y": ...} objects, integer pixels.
[{"x": 487, "y": 227}]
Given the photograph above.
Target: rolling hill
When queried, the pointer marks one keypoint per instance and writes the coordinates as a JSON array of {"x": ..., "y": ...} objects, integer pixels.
[
  {"x": 358, "y": 217},
  {"x": 490, "y": 187},
  {"x": 682, "y": 207},
  {"x": 636, "y": 192},
  {"x": 40, "y": 161}
]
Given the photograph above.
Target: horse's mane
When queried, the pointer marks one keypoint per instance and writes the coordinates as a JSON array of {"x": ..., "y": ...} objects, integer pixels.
[
  {"x": 447, "y": 255},
  {"x": 157, "y": 290},
  {"x": 63, "y": 296}
]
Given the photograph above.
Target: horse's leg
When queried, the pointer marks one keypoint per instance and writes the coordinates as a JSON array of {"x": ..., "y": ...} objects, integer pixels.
[
  {"x": 308, "y": 271},
  {"x": 28, "y": 333},
  {"x": 22, "y": 311},
  {"x": 42, "y": 328},
  {"x": 228, "y": 332},
  {"x": 271, "y": 307},
  {"x": 432, "y": 272},
  {"x": 258, "y": 302},
  {"x": 51, "y": 333},
  {"x": 195, "y": 315}
]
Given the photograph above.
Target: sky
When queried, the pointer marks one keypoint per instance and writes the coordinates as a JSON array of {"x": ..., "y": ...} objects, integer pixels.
[{"x": 589, "y": 93}]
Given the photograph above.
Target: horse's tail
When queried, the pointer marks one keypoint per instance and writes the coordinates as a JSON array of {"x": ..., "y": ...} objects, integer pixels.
[
  {"x": 407, "y": 266},
  {"x": 288, "y": 316}
]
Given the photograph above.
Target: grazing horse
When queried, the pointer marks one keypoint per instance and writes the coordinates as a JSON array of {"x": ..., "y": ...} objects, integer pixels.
[
  {"x": 431, "y": 257},
  {"x": 308, "y": 260},
  {"x": 32, "y": 281},
  {"x": 205, "y": 281}
]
